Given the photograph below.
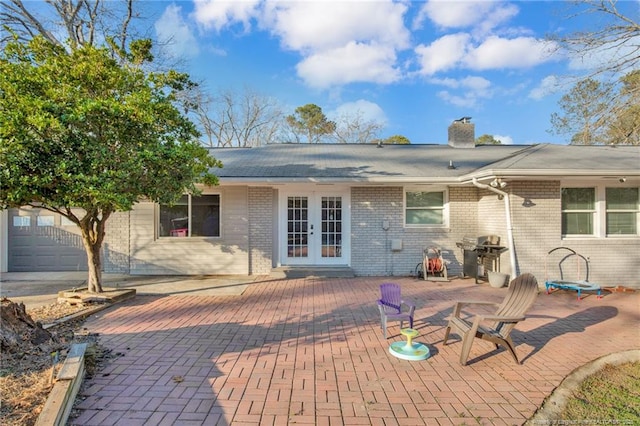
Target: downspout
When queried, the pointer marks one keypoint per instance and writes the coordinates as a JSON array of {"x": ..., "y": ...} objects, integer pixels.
[{"x": 507, "y": 211}]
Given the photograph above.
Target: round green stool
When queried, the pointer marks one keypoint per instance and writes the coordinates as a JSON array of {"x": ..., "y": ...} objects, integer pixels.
[{"x": 408, "y": 350}]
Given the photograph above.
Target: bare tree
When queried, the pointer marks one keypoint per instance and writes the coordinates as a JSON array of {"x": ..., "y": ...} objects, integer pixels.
[
  {"x": 232, "y": 119},
  {"x": 610, "y": 42},
  {"x": 83, "y": 22},
  {"x": 354, "y": 128},
  {"x": 602, "y": 105}
]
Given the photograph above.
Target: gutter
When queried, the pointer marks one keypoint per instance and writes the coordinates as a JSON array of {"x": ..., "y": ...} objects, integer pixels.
[{"x": 507, "y": 211}]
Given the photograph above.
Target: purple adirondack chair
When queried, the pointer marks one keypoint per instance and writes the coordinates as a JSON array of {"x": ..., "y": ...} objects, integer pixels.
[{"x": 391, "y": 305}]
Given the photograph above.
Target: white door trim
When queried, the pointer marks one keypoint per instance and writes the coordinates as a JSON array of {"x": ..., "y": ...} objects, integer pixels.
[{"x": 317, "y": 254}]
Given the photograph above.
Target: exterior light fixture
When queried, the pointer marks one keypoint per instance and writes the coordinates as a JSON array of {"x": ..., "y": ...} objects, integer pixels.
[{"x": 498, "y": 183}]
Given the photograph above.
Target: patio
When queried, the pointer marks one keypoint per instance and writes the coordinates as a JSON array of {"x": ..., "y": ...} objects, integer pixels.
[{"x": 310, "y": 351}]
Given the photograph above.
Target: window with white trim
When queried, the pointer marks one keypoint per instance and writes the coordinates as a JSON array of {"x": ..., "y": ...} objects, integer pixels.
[
  {"x": 622, "y": 211},
  {"x": 600, "y": 211},
  {"x": 425, "y": 208},
  {"x": 190, "y": 216},
  {"x": 578, "y": 211}
]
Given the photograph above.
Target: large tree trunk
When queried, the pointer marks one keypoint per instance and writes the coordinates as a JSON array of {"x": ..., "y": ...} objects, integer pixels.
[
  {"x": 93, "y": 232},
  {"x": 94, "y": 282}
]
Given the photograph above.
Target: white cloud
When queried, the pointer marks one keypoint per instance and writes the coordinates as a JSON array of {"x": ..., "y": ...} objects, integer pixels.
[
  {"x": 547, "y": 86},
  {"x": 457, "y": 51},
  {"x": 486, "y": 43},
  {"x": 318, "y": 26},
  {"x": 351, "y": 63},
  {"x": 454, "y": 14},
  {"x": 459, "y": 101},
  {"x": 504, "y": 140},
  {"x": 368, "y": 111},
  {"x": 221, "y": 14},
  {"x": 360, "y": 41},
  {"x": 470, "y": 82},
  {"x": 472, "y": 88},
  {"x": 339, "y": 42},
  {"x": 443, "y": 54},
  {"x": 475, "y": 83},
  {"x": 496, "y": 17},
  {"x": 172, "y": 29},
  {"x": 482, "y": 16},
  {"x": 519, "y": 52}
]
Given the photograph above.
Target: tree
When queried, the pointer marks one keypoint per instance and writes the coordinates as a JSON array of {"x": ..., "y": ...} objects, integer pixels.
[
  {"x": 309, "y": 122},
  {"x": 602, "y": 107},
  {"x": 487, "y": 139},
  {"x": 232, "y": 119},
  {"x": 354, "y": 128},
  {"x": 601, "y": 113},
  {"x": 68, "y": 23},
  {"x": 82, "y": 130},
  {"x": 393, "y": 140},
  {"x": 624, "y": 127},
  {"x": 609, "y": 43}
]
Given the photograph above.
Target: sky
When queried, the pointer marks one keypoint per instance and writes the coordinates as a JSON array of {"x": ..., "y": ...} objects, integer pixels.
[{"x": 413, "y": 66}]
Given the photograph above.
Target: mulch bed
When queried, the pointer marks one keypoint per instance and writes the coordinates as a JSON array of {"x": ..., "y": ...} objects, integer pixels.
[{"x": 27, "y": 371}]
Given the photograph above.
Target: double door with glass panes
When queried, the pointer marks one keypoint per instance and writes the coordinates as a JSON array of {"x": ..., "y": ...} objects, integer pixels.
[{"x": 314, "y": 230}]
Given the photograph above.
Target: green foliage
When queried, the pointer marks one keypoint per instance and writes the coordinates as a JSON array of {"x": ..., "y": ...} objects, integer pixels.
[
  {"x": 310, "y": 121},
  {"x": 80, "y": 130},
  {"x": 596, "y": 112},
  {"x": 624, "y": 127},
  {"x": 396, "y": 140},
  {"x": 584, "y": 108},
  {"x": 487, "y": 139}
]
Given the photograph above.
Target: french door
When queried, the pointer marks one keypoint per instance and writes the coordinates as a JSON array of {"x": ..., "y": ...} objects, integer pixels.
[{"x": 315, "y": 229}]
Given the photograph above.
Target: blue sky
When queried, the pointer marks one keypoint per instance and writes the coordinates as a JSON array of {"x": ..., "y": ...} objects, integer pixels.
[{"x": 416, "y": 66}]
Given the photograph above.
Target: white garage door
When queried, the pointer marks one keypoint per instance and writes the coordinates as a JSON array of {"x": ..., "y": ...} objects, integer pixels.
[{"x": 41, "y": 241}]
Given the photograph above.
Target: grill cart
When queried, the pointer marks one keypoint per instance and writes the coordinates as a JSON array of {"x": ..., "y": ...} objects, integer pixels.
[{"x": 479, "y": 252}]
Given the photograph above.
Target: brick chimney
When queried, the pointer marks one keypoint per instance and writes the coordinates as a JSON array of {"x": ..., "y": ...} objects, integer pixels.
[{"x": 462, "y": 133}]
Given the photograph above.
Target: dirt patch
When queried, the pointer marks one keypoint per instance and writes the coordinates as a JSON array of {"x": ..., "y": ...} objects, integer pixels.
[{"x": 28, "y": 370}]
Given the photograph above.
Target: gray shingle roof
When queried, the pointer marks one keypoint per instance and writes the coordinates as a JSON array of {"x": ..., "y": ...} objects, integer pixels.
[{"x": 406, "y": 163}]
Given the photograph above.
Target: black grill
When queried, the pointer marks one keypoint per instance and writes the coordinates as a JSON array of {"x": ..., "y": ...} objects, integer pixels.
[{"x": 478, "y": 251}]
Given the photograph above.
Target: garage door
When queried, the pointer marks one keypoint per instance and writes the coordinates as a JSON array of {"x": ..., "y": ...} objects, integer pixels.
[{"x": 41, "y": 241}]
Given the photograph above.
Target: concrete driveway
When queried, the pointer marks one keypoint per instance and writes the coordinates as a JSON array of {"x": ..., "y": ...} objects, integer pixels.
[{"x": 41, "y": 288}]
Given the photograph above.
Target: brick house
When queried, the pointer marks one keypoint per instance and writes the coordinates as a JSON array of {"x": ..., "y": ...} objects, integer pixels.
[{"x": 370, "y": 208}]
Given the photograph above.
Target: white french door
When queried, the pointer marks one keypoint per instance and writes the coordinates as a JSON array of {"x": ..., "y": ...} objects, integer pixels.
[{"x": 314, "y": 228}]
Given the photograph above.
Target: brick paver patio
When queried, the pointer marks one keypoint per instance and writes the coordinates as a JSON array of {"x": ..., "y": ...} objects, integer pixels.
[{"x": 310, "y": 351}]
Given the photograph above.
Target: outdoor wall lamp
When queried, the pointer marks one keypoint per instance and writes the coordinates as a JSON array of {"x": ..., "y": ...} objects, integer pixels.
[{"x": 498, "y": 183}]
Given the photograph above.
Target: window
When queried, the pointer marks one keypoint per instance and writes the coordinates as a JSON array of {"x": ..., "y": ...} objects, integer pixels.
[
  {"x": 578, "y": 211},
  {"x": 600, "y": 211},
  {"x": 45, "y": 221},
  {"x": 64, "y": 221},
  {"x": 21, "y": 221},
  {"x": 191, "y": 216},
  {"x": 622, "y": 211},
  {"x": 425, "y": 208}
]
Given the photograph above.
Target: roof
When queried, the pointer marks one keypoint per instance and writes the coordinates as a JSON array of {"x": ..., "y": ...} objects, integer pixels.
[{"x": 418, "y": 163}]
